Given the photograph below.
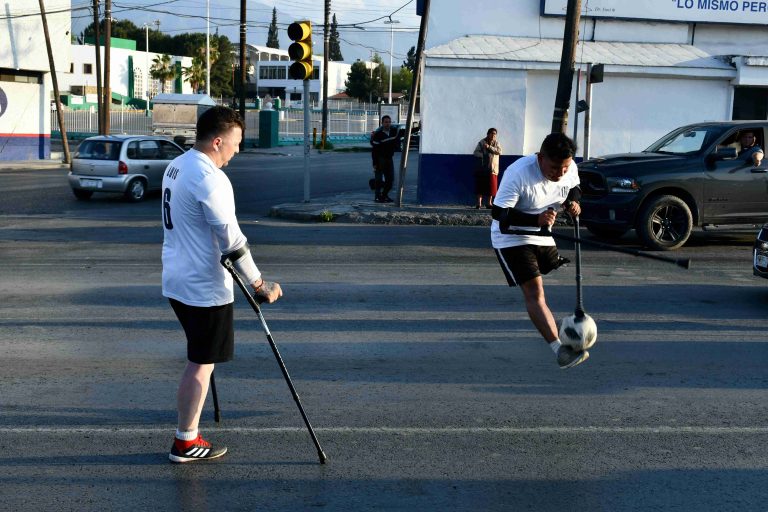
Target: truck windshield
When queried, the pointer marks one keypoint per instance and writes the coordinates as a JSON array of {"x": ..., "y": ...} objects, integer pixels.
[{"x": 686, "y": 141}]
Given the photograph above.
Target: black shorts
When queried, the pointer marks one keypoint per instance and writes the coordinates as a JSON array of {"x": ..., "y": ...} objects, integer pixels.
[
  {"x": 209, "y": 330},
  {"x": 525, "y": 262}
]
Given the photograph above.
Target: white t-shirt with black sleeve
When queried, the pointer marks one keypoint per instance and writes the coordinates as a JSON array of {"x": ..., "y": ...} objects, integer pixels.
[
  {"x": 199, "y": 225},
  {"x": 525, "y": 188}
]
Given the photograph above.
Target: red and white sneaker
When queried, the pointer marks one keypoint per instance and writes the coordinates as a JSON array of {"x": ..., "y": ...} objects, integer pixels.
[{"x": 197, "y": 449}]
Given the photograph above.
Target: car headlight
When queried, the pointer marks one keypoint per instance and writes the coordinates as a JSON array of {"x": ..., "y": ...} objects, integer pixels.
[{"x": 622, "y": 185}]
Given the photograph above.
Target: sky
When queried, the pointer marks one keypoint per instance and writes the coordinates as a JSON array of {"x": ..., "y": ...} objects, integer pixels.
[{"x": 365, "y": 31}]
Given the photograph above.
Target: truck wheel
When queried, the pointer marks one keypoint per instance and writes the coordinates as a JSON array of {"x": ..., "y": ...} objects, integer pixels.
[
  {"x": 606, "y": 232},
  {"x": 136, "y": 190},
  {"x": 81, "y": 194},
  {"x": 665, "y": 223}
]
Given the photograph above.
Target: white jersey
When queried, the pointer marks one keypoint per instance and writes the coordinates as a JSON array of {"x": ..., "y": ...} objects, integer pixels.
[
  {"x": 525, "y": 188},
  {"x": 199, "y": 225}
]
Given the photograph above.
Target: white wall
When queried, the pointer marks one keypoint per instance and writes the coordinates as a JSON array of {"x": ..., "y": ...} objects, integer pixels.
[
  {"x": 337, "y": 75},
  {"x": 629, "y": 113},
  {"x": 464, "y": 103},
  {"x": 28, "y": 109},
  {"x": 22, "y": 43}
]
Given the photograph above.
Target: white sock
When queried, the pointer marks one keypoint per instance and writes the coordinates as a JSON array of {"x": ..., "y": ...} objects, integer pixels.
[
  {"x": 555, "y": 346},
  {"x": 187, "y": 435}
]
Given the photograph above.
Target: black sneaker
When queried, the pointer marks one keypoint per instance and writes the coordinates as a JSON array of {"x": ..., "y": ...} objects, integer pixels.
[
  {"x": 387, "y": 199},
  {"x": 199, "y": 449},
  {"x": 567, "y": 357}
]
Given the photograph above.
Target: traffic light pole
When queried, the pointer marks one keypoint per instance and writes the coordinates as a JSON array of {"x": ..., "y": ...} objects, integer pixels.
[{"x": 306, "y": 140}]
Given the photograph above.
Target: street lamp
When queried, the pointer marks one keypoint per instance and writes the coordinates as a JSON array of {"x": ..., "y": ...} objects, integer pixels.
[
  {"x": 146, "y": 62},
  {"x": 391, "y": 22}
]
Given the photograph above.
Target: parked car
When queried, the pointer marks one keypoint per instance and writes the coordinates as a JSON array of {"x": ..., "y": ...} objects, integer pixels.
[
  {"x": 415, "y": 134},
  {"x": 690, "y": 177},
  {"x": 760, "y": 253},
  {"x": 125, "y": 164}
]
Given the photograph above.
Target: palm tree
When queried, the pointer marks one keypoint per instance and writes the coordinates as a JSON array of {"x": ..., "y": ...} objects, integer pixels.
[
  {"x": 195, "y": 74},
  {"x": 163, "y": 69}
]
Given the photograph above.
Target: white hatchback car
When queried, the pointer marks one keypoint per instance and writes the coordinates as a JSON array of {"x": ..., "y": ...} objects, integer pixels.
[{"x": 125, "y": 164}]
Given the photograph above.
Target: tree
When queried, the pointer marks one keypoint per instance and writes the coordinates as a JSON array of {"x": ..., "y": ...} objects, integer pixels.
[
  {"x": 273, "y": 41},
  {"x": 410, "y": 60},
  {"x": 380, "y": 79},
  {"x": 334, "y": 47},
  {"x": 402, "y": 81},
  {"x": 357, "y": 83},
  {"x": 163, "y": 69},
  {"x": 221, "y": 70},
  {"x": 195, "y": 74}
]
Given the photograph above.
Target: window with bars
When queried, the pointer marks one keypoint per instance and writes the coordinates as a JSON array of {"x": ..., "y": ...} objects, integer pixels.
[{"x": 272, "y": 72}]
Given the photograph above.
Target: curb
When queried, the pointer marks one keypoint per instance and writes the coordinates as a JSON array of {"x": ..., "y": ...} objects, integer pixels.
[{"x": 374, "y": 214}]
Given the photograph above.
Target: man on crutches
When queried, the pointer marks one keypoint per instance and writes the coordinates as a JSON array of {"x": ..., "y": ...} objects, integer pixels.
[
  {"x": 530, "y": 190},
  {"x": 199, "y": 226}
]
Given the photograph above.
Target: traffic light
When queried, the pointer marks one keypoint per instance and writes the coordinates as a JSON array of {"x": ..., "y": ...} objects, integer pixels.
[
  {"x": 300, "y": 50},
  {"x": 596, "y": 75}
]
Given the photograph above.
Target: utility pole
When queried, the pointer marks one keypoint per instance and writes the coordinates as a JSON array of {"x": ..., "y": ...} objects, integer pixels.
[
  {"x": 52, "y": 65},
  {"x": 326, "y": 49},
  {"x": 107, "y": 51},
  {"x": 415, "y": 85},
  {"x": 97, "y": 45},
  {"x": 567, "y": 59},
  {"x": 242, "y": 67},
  {"x": 207, "y": 47},
  {"x": 588, "y": 114}
]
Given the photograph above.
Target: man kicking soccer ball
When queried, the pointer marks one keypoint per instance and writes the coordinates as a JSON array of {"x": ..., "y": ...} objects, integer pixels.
[
  {"x": 199, "y": 226},
  {"x": 531, "y": 191}
]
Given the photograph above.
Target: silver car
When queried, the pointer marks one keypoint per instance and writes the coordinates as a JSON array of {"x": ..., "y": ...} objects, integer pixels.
[{"x": 125, "y": 164}]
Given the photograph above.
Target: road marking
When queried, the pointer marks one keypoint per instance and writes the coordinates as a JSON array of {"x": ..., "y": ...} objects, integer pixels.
[{"x": 679, "y": 430}]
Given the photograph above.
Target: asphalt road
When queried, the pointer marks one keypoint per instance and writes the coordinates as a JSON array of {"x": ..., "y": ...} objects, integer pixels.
[{"x": 427, "y": 385}]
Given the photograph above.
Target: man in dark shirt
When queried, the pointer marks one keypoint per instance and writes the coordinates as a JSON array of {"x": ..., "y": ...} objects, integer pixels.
[
  {"x": 385, "y": 140},
  {"x": 750, "y": 149}
]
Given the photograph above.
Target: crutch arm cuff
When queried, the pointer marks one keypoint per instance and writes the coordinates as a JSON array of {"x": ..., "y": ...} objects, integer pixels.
[
  {"x": 242, "y": 262},
  {"x": 512, "y": 217}
]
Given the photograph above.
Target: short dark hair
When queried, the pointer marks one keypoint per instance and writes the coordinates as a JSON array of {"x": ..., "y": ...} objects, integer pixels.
[
  {"x": 217, "y": 121},
  {"x": 491, "y": 130},
  {"x": 385, "y": 117},
  {"x": 558, "y": 146}
]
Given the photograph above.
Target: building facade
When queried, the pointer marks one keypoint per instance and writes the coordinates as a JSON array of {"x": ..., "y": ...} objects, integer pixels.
[
  {"x": 666, "y": 64},
  {"x": 25, "y": 79},
  {"x": 129, "y": 70},
  {"x": 267, "y": 75}
]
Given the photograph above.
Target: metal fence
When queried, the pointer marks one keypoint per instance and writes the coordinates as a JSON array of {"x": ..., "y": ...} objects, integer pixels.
[
  {"x": 341, "y": 124},
  {"x": 131, "y": 121}
]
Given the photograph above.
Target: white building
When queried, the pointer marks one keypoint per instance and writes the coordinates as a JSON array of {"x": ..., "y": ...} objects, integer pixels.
[
  {"x": 25, "y": 83},
  {"x": 129, "y": 69},
  {"x": 667, "y": 63},
  {"x": 267, "y": 75}
]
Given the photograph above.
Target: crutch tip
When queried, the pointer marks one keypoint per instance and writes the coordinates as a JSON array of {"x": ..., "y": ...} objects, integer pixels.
[
  {"x": 686, "y": 263},
  {"x": 322, "y": 457}
]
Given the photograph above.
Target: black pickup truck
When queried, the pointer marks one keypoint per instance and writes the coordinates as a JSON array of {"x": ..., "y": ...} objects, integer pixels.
[{"x": 693, "y": 176}]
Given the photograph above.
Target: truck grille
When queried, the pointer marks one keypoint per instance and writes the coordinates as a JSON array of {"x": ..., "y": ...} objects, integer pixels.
[{"x": 592, "y": 184}]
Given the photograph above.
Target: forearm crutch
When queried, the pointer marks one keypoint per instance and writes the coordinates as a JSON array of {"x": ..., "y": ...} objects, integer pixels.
[
  {"x": 229, "y": 265},
  {"x": 216, "y": 410}
]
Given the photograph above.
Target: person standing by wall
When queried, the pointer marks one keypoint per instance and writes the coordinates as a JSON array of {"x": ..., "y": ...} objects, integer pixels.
[
  {"x": 199, "y": 226},
  {"x": 385, "y": 141},
  {"x": 487, "y": 154}
]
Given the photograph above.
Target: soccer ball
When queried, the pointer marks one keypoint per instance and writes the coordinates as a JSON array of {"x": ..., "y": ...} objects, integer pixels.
[{"x": 578, "y": 332}]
